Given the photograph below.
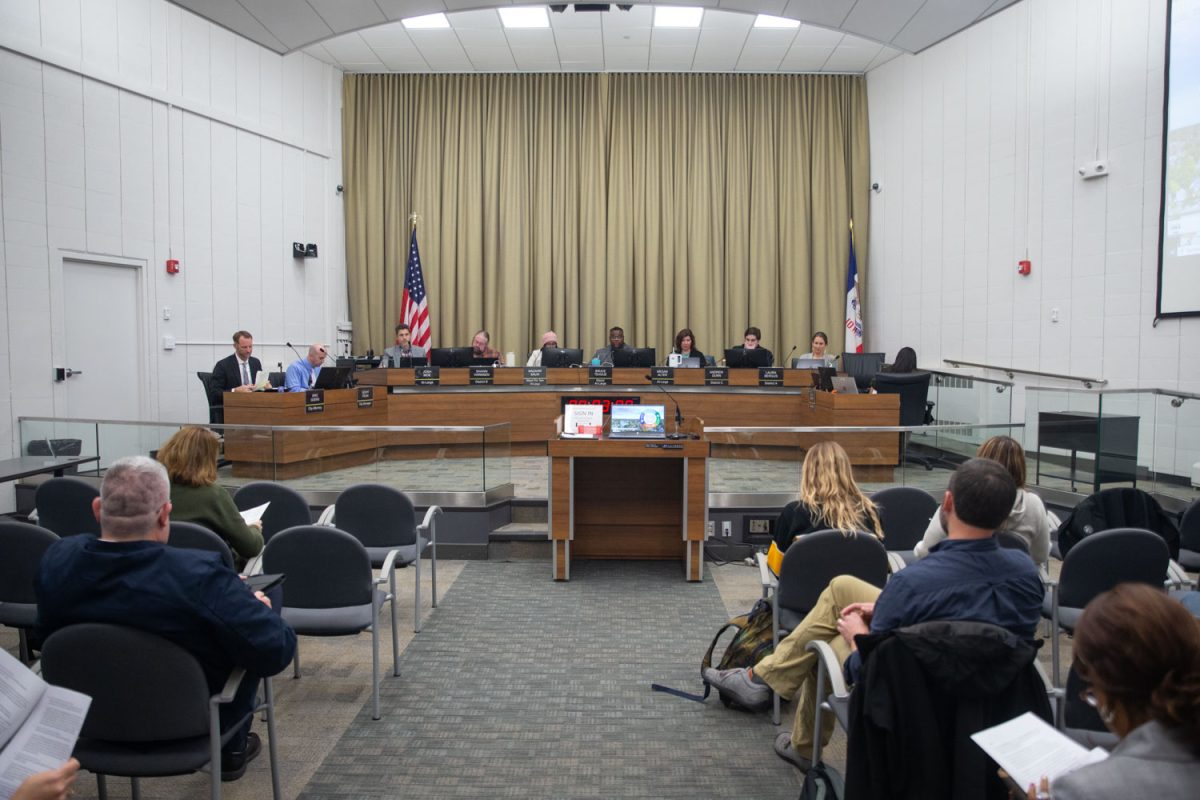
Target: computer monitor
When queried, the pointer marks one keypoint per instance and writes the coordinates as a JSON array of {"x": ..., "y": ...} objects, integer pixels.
[
  {"x": 335, "y": 377},
  {"x": 862, "y": 367},
  {"x": 405, "y": 361},
  {"x": 633, "y": 357},
  {"x": 638, "y": 422},
  {"x": 562, "y": 357},
  {"x": 808, "y": 363},
  {"x": 450, "y": 356},
  {"x": 480, "y": 361},
  {"x": 741, "y": 357}
]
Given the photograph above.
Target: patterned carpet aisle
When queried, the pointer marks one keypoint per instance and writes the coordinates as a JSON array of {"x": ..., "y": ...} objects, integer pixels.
[{"x": 520, "y": 687}]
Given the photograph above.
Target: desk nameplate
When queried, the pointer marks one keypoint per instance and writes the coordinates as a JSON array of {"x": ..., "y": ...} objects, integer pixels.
[
  {"x": 716, "y": 376},
  {"x": 600, "y": 376},
  {"x": 481, "y": 376},
  {"x": 427, "y": 376},
  {"x": 535, "y": 376},
  {"x": 662, "y": 376}
]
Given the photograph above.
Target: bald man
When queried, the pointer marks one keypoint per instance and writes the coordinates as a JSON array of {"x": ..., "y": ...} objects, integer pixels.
[{"x": 302, "y": 373}]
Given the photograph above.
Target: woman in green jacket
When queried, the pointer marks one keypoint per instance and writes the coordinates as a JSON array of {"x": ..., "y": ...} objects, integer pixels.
[{"x": 190, "y": 457}]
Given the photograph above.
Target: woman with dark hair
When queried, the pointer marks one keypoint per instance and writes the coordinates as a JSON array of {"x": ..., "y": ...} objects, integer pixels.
[
  {"x": 819, "y": 342},
  {"x": 190, "y": 457},
  {"x": 1029, "y": 518},
  {"x": 1139, "y": 653},
  {"x": 685, "y": 345},
  {"x": 905, "y": 361}
]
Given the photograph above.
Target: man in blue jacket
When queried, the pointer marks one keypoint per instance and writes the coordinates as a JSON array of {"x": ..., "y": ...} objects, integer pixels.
[{"x": 129, "y": 576}]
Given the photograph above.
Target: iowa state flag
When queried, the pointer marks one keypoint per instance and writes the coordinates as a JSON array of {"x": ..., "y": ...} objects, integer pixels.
[{"x": 854, "y": 324}]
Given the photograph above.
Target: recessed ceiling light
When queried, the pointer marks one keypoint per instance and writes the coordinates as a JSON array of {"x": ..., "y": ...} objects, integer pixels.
[
  {"x": 677, "y": 17},
  {"x": 767, "y": 21},
  {"x": 524, "y": 17},
  {"x": 427, "y": 22}
]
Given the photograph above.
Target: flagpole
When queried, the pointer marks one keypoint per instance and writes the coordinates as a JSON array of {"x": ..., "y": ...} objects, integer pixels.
[{"x": 412, "y": 220}]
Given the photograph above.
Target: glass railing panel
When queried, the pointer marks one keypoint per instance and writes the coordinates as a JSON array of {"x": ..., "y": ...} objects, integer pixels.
[
  {"x": 497, "y": 456},
  {"x": 51, "y": 438},
  {"x": 1176, "y": 448}
]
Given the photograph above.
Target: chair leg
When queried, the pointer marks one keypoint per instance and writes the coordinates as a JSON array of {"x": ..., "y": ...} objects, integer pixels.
[
  {"x": 433, "y": 570},
  {"x": 817, "y": 718},
  {"x": 272, "y": 747},
  {"x": 375, "y": 657},
  {"x": 135, "y": 789},
  {"x": 101, "y": 787},
  {"x": 417, "y": 594},
  {"x": 395, "y": 630},
  {"x": 214, "y": 751},
  {"x": 296, "y": 661}
]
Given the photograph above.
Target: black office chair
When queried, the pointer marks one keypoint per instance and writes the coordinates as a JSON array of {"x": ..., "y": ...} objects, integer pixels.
[
  {"x": 151, "y": 713},
  {"x": 216, "y": 407},
  {"x": 64, "y": 505},
  {"x": 1189, "y": 537},
  {"x": 198, "y": 537},
  {"x": 904, "y": 514},
  {"x": 863, "y": 367},
  {"x": 915, "y": 408},
  {"x": 21, "y": 550}
]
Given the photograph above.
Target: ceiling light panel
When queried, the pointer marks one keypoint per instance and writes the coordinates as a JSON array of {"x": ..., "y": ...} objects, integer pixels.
[
  {"x": 677, "y": 17},
  {"x": 427, "y": 22},
  {"x": 767, "y": 21},
  {"x": 525, "y": 17}
]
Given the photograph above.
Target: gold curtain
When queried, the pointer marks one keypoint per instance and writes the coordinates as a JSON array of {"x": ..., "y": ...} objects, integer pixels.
[{"x": 581, "y": 201}]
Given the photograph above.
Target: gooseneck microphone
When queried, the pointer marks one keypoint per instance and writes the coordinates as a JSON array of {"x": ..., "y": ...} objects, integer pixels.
[
  {"x": 788, "y": 360},
  {"x": 678, "y": 413},
  {"x": 294, "y": 350}
]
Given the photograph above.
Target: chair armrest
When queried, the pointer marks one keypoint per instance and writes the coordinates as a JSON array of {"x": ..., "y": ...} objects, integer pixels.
[
  {"x": 765, "y": 576},
  {"x": 326, "y": 517},
  {"x": 896, "y": 562},
  {"x": 230, "y": 688},
  {"x": 427, "y": 524},
  {"x": 833, "y": 667},
  {"x": 389, "y": 565},
  {"x": 1177, "y": 577}
]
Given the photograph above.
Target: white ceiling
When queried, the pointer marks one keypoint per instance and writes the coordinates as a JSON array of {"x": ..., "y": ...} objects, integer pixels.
[{"x": 366, "y": 35}]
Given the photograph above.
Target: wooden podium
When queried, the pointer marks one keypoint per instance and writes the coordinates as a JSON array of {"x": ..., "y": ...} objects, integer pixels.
[{"x": 628, "y": 499}]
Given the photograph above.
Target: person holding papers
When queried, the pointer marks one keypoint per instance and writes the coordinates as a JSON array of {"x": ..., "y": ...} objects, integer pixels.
[
  {"x": 128, "y": 576},
  {"x": 1139, "y": 652},
  {"x": 190, "y": 457},
  {"x": 302, "y": 373},
  {"x": 53, "y": 784}
]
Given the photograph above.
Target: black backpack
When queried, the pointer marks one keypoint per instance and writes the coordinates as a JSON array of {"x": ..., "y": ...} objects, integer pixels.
[
  {"x": 751, "y": 643},
  {"x": 822, "y": 782}
]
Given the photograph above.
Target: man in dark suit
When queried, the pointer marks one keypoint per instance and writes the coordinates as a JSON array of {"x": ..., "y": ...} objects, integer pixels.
[{"x": 234, "y": 373}]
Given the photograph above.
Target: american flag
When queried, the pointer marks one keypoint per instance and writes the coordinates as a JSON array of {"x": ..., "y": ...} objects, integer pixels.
[{"x": 413, "y": 309}]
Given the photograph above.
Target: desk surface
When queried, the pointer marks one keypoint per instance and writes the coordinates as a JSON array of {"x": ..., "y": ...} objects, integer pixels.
[{"x": 12, "y": 469}]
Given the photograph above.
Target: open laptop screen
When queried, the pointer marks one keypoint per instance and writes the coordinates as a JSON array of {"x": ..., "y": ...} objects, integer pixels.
[{"x": 638, "y": 422}]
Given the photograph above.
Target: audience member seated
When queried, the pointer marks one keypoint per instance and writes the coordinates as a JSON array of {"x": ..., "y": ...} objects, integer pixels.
[
  {"x": 819, "y": 342},
  {"x": 829, "y": 500},
  {"x": 404, "y": 351},
  {"x": 685, "y": 345},
  {"x": 549, "y": 339},
  {"x": 129, "y": 576},
  {"x": 1139, "y": 653},
  {"x": 967, "y": 577},
  {"x": 616, "y": 340},
  {"x": 1029, "y": 518},
  {"x": 481, "y": 346},
  {"x": 190, "y": 457}
]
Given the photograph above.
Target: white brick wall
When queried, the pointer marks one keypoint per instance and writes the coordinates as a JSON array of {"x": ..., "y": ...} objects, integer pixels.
[
  {"x": 133, "y": 128},
  {"x": 975, "y": 143}
]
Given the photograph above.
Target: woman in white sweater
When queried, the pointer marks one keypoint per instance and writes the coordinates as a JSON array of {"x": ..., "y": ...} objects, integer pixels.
[{"x": 1029, "y": 519}]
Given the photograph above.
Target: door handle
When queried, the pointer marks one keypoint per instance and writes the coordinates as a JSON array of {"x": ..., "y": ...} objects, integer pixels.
[{"x": 62, "y": 373}]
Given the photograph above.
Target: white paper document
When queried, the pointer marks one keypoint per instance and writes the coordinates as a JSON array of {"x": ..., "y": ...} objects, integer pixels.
[
  {"x": 39, "y": 723},
  {"x": 253, "y": 515},
  {"x": 1027, "y": 748}
]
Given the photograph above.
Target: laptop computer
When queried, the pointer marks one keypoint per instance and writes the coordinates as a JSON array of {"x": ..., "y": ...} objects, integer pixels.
[
  {"x": 844, "y": 384},
  {"x": 638, "y": 422},
  {"x": 333, "y": 378}
]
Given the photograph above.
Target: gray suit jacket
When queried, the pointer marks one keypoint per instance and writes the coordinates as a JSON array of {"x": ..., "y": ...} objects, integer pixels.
[
  {"x": 1149, "y": 762},
  {"x": 394, "y": 358}
]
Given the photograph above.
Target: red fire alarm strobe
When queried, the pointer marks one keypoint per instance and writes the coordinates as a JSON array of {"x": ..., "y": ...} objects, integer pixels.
[
  {"x": 1024, "y": 267},
  {"x": 172, "y": 266}
]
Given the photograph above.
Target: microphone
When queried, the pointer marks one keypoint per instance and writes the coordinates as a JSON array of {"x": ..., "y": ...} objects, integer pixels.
[
  {"x": 788, "y": 360},
  {"x": 678, "y": 413},
  {"x": 294, "y": 350}
]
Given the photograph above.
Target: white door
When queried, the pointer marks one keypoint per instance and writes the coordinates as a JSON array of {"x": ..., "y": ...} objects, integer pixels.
[{"x": 104, "y": 348}]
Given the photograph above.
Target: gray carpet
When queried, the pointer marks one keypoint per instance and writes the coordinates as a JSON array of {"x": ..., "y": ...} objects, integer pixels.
[{"x": 521, "y": 687}]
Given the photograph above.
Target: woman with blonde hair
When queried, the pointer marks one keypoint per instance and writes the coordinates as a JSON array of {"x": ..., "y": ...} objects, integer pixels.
[
  {"x": 190, "y": 457},
  {"x": 1029, "y": 518},
  {"x": 829, "y": 499}
]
